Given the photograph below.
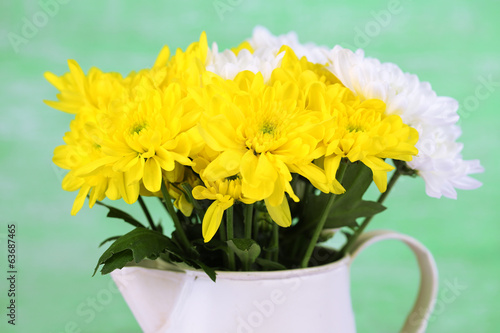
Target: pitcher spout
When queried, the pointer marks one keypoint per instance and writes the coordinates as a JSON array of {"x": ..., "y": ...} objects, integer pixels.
[{"x": 153, "y": 296}]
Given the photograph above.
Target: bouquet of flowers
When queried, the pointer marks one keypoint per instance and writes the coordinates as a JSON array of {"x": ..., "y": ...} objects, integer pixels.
[{"x": 258, "y": 153}]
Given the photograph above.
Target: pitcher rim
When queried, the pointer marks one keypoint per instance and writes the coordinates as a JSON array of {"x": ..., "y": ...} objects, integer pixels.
[{"x": 250, "y": 275}]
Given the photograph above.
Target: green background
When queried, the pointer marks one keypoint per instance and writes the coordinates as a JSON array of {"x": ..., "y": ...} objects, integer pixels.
[{"x": 452, "y": 44}]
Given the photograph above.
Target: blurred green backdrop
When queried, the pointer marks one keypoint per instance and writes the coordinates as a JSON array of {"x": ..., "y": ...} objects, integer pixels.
[{"x": 452, "y": 44}]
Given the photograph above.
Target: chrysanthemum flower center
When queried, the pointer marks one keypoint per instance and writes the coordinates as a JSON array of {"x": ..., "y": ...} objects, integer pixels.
[
  {"x": 264, "y": 138},
  {"x": 234, "y": 177},
  {"x": 138, "y": 127},
  {"x": 267, "y": 128},
  {"x": 266, "y": 133},
  {"x": 355, "y": 128}
]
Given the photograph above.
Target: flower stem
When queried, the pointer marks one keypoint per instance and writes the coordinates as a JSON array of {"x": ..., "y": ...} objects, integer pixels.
[
  {"x": 146, "y": 212},
  {"x": 248, "y": 218},
  {"x": 230, "y": 235},
  {"x": 248, "y": 212},
  {"x": 223, "y": 238},
  {"x": 324, "y": 216},
  {"x": 276, "y": 242},
  {"x": 361, "y": 228},
  {"x": 255, "y": 232},
  {"x": 171, "y": 211}
]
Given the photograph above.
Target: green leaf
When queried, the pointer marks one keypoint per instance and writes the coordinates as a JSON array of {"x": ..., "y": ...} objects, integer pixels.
[
  {"x": 246, "y": 249},
  {"x": 196, "y": 263},
  {"x": 119, "y": 261},
  {"x": 208, "y": 270},
  {"x": 108, "y": 240},
  {"x": 350, "y": 205},
  {"x": 269, "y": 264},
  {"x": 213, "y": 245},
  {"x": 356, "y": 181},
  {"x": 140, "y": 243},
  {"x": 344, "y": 216},
  {"x": 143, "y": 243},
  {"x": 120, "y": 214},
  {"x": 159, "y": 228}
]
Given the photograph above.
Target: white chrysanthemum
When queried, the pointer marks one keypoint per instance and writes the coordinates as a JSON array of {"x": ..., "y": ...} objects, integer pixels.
[
  {"x": 265, "y": 57},
  {"x": 263, "y": 39},
  {"x": 439, "y": 161},
  {"x": 227, "y": 64}
]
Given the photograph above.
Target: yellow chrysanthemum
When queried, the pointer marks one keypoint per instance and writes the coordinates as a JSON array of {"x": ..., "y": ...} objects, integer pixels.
[
  {"x": 173, "y": 181},
  {"x": 262, "y": 133},
  {"x": 79, "y": 91},
  {"x": 128, "y": 130},
  {"x": 223, "y": 192},
  {"x": 82, "y": 147},
  {"x": 186, "y": 67},
  {"x": 360, "y": 131},
  {"x": 301, "y": 71}
]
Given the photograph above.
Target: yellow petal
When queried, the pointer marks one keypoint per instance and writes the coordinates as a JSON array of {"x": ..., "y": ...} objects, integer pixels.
[
  {"x": 258, "y": 176},
  {"x": 248, "y": 166},
  {"x": 379, "y": 169},
  {"x": 376, "y": 163},
  {"x": 61, "y": 106},
  {"x": 72, "y": 183},
  {"x": 202, "y": 193},
  {"x": 331, "y": 166},
  {"x": 126, "y": 162},
  {"x": 80, "y": 199},
  {"x": 54, "y": 80},
  {"x": 332, "y": 163},
  {"x": 212, "y": 220},
  {"x": 93, "y": 166},
  {"x": 176, "y": 175},
  {"x": 65, "y": 158},
  {"x": 184, "y": 205},
  {"x": 98, "y": 192},
  {"x": 129, "y": 193},
  {"x": 136, "y": 172},
  {"x": 380, "y": 179},
  {"x": 165, "y": 159},
  {"x": 78, "y": 75},
  {"x": 219, "y": 134},
  {"x": 314, "y": 174},
  {"x": 152, "y": 175},
  {"x": 113, "y": 192},
  {"x": 225, "y": 165},
  {"x": 276, "y": 197},
  {"x": 281, "y": 213},
  {"x": 162, "y": 58}
]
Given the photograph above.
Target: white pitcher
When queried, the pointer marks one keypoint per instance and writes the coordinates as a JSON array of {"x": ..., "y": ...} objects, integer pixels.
[{"x": 306, "y": 300}]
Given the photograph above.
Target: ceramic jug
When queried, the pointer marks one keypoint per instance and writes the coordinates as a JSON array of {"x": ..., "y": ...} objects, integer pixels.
[{"x": 316, "y": 299}]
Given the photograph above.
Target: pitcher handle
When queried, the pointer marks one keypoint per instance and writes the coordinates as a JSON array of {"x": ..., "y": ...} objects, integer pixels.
[{"x": 416, "y": 322}]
